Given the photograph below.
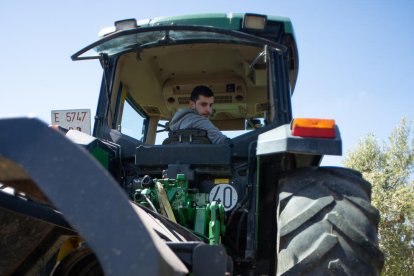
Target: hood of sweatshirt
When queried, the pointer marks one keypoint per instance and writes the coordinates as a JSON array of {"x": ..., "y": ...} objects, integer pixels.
[{"x": 178, "y": 116}]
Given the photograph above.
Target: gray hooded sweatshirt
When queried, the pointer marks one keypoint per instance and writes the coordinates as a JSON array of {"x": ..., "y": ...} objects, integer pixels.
[{"x": 186, "y": 118}]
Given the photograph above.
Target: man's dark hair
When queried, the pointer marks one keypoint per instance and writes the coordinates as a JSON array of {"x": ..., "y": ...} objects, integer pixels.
[{"x": 201, "y": 90}]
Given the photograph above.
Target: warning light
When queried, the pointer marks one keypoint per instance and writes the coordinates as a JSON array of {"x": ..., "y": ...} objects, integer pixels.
[{"x": 313, "y": 128}]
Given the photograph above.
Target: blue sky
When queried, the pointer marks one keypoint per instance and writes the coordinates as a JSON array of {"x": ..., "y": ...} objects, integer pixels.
[{"x": 355, "y": 56}]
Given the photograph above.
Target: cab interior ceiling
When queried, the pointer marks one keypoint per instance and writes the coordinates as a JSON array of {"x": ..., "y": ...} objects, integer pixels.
[{"x": 161, "y": 79}]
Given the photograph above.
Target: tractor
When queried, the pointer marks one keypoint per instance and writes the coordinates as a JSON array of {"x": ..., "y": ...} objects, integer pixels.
[{"x": 135, "y": 198}]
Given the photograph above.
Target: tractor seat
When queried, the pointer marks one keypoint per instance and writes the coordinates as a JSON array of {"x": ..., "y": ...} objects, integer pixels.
[{"x": 190, "y": 136}]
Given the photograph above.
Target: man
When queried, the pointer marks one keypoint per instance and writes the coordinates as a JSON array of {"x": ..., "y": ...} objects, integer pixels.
[{"x": 201, "y": 104}]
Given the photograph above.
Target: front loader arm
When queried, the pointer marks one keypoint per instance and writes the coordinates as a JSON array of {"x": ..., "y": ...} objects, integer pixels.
[{"x": 48, "y": 167}]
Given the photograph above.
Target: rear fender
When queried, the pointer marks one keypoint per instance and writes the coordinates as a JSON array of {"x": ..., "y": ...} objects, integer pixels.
[
  {"x": 280, "y": 139},
  {"x": 306, "y": 151}
]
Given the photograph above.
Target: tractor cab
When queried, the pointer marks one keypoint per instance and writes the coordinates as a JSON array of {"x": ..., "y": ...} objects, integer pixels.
[{"x": 151, "y": 66}]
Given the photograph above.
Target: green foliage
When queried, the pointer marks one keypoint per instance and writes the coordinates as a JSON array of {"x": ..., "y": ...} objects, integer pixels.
[{"x": 389, "y": 168}]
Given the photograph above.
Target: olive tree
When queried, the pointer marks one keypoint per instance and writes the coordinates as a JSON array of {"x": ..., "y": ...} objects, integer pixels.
[{"x": 389, "y": 168}]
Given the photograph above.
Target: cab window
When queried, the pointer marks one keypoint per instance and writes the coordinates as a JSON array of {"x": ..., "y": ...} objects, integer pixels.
[
  {"x": 162, "y": 133},
  {"x": 132, "y": 122}
]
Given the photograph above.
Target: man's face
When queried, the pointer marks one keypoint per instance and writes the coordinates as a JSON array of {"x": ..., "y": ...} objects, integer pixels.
[{"x": 203, "y": 105}]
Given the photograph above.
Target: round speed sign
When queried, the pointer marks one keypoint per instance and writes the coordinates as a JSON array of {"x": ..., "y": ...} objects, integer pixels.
[{"x": 226, "y": 194}]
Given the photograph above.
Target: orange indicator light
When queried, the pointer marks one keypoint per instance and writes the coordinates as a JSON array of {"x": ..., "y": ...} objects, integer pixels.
[{"x": 315, "y": 128}]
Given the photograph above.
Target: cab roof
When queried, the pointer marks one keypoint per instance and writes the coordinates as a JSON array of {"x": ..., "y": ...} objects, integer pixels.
[{"x": 130, "y": 35}]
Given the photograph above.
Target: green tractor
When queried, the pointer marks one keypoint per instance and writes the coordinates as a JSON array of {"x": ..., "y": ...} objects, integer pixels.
[{"x": 138, "y": 199}]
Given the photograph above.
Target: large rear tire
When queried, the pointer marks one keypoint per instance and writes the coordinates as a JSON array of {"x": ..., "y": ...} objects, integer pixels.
[{"x": 326, "y": 224}]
